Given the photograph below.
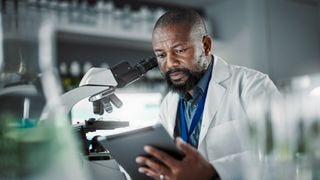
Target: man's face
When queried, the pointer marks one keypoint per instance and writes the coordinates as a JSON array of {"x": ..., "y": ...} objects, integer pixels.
[{"x": 180, "y": 56}]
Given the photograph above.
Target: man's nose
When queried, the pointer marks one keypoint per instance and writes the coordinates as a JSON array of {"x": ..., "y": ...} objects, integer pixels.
[{"x": 172, "y": 61}]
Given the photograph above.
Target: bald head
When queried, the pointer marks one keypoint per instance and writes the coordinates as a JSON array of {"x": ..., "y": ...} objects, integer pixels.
[{"x": 186, "y": 18}]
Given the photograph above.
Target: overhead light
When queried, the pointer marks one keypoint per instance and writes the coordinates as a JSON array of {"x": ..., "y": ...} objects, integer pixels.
[{"x": 315, "y": 91}]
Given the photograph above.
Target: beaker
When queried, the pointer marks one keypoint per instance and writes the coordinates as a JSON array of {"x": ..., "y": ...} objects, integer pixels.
[
  {"x": 33, "y": 146},
  {"x": 285, "y": 137}
]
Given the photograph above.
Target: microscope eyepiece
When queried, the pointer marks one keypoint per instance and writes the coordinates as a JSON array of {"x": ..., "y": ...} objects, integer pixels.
[
  {"x": 125, "y": 74},
  {"x": 146, "y": 64}
]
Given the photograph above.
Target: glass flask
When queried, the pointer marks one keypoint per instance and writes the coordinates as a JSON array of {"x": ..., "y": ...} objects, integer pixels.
[
  {"x": 36, "y": 141},
  {"x": 284, "y": 133}
]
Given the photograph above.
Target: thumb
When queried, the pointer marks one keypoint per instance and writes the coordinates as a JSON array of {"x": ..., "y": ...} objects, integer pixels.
[{"x": 187, "y": 149}]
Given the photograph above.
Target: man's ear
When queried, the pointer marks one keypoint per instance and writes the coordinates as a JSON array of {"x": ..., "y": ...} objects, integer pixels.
[{"x": 207, "y": 43}]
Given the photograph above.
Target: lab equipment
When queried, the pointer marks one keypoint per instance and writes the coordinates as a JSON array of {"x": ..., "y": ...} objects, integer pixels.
[
  {"x": 91, "y": 148},
  {"x": 284, "y": 133},
  {"x": 99, "y": 85},
  {"x": 29, "y": 149}
]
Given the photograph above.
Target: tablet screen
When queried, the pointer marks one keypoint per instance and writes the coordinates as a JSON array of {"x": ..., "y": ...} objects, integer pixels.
[{"x": 125, "y": 147}]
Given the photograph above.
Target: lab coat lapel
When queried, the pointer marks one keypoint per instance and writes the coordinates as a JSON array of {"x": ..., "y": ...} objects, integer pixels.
[
  {"x": 173, "y": 108},
  {"x": 215, "y": 94}
]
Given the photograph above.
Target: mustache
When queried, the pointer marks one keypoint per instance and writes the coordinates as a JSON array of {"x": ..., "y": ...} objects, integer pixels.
[
  {"x": 183, "y": 70},
  {"x": 182, "y": 88}
]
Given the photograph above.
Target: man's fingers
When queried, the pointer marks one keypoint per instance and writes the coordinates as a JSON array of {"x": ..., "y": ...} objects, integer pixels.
[
  {"x": 149, "y": 172},
  {"x": 153, "y": 165},
  {"x": 187, "y": 149},
  {"x": 165, "y": 158}
]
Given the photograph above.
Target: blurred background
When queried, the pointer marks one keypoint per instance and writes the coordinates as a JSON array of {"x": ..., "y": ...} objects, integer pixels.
[{"x": 278, "y": 37}]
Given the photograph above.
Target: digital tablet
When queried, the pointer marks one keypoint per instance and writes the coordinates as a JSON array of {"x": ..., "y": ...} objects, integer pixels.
[{"x": 125, "y": 147}]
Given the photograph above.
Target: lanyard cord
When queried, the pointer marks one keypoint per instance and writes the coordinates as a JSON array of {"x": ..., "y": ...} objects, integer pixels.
[{"x": 185, "y": 134}]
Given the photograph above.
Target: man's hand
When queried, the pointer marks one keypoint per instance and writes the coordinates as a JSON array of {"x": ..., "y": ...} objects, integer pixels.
[{"x": 192, "y": 166}]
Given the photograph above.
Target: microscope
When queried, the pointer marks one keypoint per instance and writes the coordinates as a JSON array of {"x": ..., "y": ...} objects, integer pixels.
[
  {"x": 99, "y": 84},
  {"x": 21, "y": 91}
]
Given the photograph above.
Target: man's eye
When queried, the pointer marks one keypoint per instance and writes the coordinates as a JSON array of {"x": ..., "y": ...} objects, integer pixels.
[
  {"x": 180, "y": 50},
  {"x": 160, "y": 55}
]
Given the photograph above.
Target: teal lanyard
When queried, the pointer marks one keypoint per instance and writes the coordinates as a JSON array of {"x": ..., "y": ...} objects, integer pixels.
[{"x": 185, "y": 133}]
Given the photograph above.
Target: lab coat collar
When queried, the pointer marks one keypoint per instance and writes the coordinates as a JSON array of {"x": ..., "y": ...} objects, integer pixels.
[{"x": 220, "y": 70}]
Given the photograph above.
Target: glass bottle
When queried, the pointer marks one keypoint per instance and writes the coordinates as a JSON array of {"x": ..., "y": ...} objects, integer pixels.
[
  {"x": 284, "y": 133},
  {"x": 36, "y": 141}
]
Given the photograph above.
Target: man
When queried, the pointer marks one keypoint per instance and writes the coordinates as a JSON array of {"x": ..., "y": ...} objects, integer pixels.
[{"x": 207, "y": 103}]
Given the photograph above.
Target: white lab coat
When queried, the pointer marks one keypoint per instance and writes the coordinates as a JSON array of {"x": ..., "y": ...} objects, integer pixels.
[{"x": 222, "y": 136}]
